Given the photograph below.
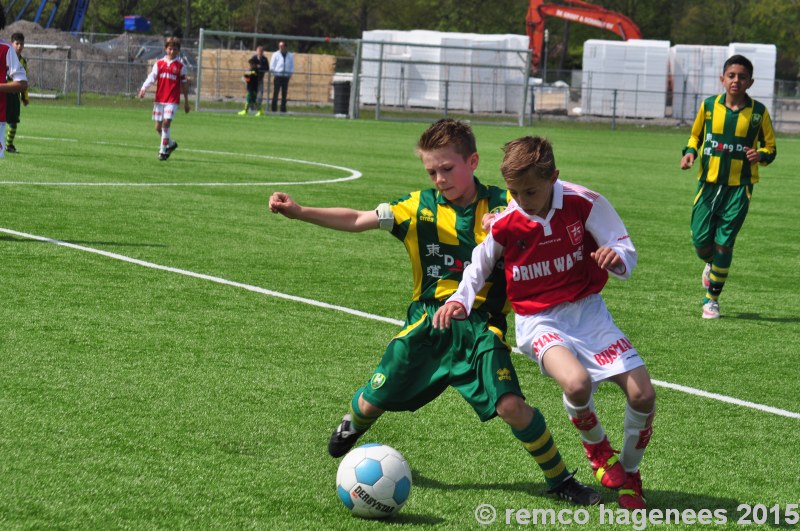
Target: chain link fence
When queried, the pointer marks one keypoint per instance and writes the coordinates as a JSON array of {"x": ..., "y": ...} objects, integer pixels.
[{"x": 482, "y": 85}]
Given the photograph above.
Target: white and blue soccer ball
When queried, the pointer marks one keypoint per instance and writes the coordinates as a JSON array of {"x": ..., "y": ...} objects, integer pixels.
[{"x": 373, "y": 481}]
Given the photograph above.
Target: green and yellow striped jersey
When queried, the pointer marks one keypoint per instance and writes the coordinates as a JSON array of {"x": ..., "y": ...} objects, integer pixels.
[
  {"x": 439, "y": 238},
  {"x": 724, "y": 134}
]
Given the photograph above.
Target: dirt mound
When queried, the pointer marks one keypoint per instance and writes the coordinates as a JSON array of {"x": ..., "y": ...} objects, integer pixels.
[{"x": 121, "y": 48}]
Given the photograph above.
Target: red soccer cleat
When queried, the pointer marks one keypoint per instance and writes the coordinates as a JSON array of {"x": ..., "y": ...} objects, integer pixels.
[
  {"x": 630, "y": 495},
  {"x": 605, "y": 464}
]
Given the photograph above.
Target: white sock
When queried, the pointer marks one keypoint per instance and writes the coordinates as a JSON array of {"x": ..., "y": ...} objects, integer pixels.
[
  {"x": 638, "y": 429},
  {"x": 164, "y": 139},
  {"x": 585, "y": 420}
]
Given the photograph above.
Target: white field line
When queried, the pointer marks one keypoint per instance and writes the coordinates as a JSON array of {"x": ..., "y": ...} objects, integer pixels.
[
  {"x": 352, "y": 174},
  {"x": 358, "y": 313}
]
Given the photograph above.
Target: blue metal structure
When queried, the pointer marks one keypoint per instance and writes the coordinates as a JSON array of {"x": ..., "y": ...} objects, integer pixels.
[{"x": 72, "y": 21}]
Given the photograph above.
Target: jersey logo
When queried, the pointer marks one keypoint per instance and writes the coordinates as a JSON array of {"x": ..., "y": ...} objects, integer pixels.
[
  {"x": 504, "y": 374},
  {"x": 575, "y": 232},
  {"x": 497, "y": 210},
  {"x": 755, "y": 120},
  {"x": 426, "y": 215},
  {"x": 378, "y": 380}
]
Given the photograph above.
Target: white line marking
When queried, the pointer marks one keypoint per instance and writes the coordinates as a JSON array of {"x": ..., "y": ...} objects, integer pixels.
[
  {"x": 202, "y": 276},
  {"x": 358, "y": 313},
  {"x": 728, "y": 399},
  {"x": 353, "y": 174}
]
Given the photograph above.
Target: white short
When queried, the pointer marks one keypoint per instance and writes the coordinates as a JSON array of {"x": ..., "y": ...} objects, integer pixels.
[
  {"x": 587, "y": 330},
  {"x": 164, "y": 111}
]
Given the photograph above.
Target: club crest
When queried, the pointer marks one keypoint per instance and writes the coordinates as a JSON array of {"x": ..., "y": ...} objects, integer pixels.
[
  {"x": 575, "y": 232},
  {"x": 378, "y": 380}
]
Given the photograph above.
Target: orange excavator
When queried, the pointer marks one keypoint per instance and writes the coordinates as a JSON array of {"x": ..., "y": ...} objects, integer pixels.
[{"x": 574, "y": 11}]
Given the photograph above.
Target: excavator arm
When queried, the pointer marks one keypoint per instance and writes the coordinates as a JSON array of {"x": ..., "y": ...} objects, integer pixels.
[{"x": 575, "y": 11}]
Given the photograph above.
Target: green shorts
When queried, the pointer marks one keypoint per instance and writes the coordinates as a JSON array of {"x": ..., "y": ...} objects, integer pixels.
[
  {"x": 718, "y": 213},
  {"x": 421, "y": 362}
]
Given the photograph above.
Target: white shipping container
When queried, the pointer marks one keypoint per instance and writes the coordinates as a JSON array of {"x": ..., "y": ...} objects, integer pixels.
[
  {"x": 695, "y": 73},
  {"x": 626, "y": 78},
  {"x": 473, "y": 77}
]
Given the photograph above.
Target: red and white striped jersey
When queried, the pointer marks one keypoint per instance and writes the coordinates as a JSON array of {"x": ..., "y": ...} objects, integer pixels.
[
  {"x": 9, "y": 63},
  {"x": 168, "y": 76},
  {"x": 548, "y": 261}
]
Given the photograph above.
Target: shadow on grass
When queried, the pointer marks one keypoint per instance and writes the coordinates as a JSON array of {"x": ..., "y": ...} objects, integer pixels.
[
  {"x": 759, "y": 317},
  {"x": 82, "y": 242},
  {"x": 413, "y": 519},
  {"x": 717, "y": 510}
]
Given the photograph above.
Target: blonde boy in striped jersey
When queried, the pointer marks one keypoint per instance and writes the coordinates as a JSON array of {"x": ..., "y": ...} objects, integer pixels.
[
  {"x": 736, "y": 135},
  {"x": 440, "y": 227}
]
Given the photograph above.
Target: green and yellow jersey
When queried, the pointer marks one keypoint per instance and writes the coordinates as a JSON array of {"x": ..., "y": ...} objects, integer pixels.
[
  {"x": 724, "y": 133},
  {"x": 439, "y": 238}
]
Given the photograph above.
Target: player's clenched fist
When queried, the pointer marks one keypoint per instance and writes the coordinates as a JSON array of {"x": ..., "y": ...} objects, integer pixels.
[{"x": 282, "y": 203}]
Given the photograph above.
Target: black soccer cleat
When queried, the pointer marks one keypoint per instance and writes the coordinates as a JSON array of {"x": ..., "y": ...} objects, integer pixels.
[
  {"x": 11, "y": 149},
  {"x": 344, "y": 437},
  {"x": 576, "y": 492},
  {"x": 163, "y": 156},
  {"x": 171, "y": 147}
]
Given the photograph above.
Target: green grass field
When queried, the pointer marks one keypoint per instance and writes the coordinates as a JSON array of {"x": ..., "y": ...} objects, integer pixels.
[{"x": 137, "y": 396}]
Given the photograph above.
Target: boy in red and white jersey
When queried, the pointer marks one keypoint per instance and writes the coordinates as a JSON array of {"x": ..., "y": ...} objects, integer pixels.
[
  {"x": 169, "y": 75},
  {"x": 557, "y": 243}
]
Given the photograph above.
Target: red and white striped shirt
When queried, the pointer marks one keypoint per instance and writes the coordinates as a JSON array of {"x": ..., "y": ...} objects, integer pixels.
[
  {"x": 548, "y": 260},
  {"x": 9, "y": 63},
  {"x": 169, "y": 76}
]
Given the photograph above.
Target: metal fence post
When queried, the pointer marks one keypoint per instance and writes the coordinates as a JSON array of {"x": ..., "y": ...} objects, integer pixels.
[
  {"x": 199, "y": 76},
  {"x": 380, "y": 82},
  {"x": 683, "y": 102},
  {"x": 446, "y": 95},
  {"x": 614, "y": 112},
  {"x": 80, "y": 83}
]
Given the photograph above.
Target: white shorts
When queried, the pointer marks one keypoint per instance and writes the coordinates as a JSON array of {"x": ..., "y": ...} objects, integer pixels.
[
  {"x": 587, "y": 330},
  {"x": 164, "y": 111}
]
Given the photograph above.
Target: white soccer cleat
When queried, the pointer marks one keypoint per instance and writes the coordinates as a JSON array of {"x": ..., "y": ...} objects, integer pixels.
[{"x": 711, "y": 310}]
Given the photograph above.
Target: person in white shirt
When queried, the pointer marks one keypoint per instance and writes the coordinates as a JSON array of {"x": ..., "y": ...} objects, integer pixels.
[{"x": 282, "y": 68}]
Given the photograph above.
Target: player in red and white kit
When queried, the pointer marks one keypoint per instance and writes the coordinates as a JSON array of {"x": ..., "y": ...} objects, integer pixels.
[
  {"x": 13, "y": 78},
  {"x": 558, "y": 242},
  {"x": 169, "y": 75}
]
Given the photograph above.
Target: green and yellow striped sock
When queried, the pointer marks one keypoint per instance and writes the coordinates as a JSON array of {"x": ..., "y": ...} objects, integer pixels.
[
  {"x": 539, "y": 443},
  {"x": 719, "y": 274},
  {"x": 11, "y": 133},
  {"x": 359, "y": 421}
]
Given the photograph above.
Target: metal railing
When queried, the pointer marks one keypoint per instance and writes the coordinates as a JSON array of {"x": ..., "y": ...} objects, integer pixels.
[{"x": 398, "y": 88}]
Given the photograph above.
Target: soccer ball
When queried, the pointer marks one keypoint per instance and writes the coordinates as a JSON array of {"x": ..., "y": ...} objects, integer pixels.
[{"x": 373, "y": 481}]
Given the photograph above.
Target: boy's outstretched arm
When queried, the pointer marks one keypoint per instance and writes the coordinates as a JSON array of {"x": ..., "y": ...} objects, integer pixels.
[{"x": 345, "y": 219}]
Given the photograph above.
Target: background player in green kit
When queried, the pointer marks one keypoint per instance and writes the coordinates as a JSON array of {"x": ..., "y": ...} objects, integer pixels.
[
  {"x": 736, "y": 136},
  {"x": 14, "y": 99},
  {"x": 440, "y": 227}
]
